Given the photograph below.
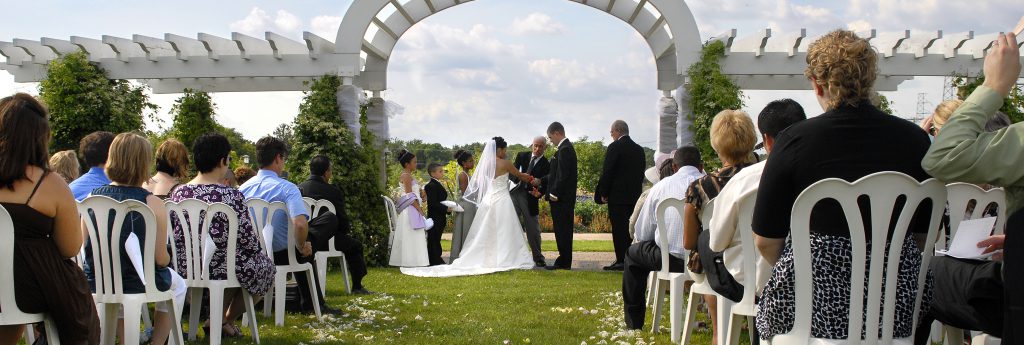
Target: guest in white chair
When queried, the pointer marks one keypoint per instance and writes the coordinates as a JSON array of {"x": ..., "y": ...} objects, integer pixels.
[
  {"x": 46, "y": 227},
  {"x": 852, "y": 139},
  {"x": 644, "y": 255}
]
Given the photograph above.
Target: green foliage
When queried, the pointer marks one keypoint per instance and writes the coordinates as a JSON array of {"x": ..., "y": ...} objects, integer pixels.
[
  {"x": 193, "y": 116},
  {"x": 82, "y": 100},
  {"x": 885, "y": 105},
  {"x": 1013, "y": 105},
  {"x": 710, "y": 92},
  {"x": 240, "y": 146},
  {"x": 589, "y": 161},
  {"x": 319, "y": 129},
  {"x": 284, "y": 132}
]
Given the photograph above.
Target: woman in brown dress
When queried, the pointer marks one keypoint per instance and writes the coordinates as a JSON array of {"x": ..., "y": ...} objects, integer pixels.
[{"x": 46, "y": 227}]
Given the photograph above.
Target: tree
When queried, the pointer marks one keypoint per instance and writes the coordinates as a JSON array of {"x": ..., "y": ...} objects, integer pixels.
[
  {"x": 319, "y": 129},
  {"x": 1013, "y": 105},
  {"x": 589, "y": 161},
  {"x": 240, "y": 147},
  {"x": 193, "y": 116},
  {"x": 82, "y": 100},
  {"x": 284, "y": 132},
  {"x": 710, "y": 92}
]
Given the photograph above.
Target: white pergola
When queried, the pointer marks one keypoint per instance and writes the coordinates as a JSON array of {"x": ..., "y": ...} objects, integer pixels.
[{"x": 370, "y": 30}]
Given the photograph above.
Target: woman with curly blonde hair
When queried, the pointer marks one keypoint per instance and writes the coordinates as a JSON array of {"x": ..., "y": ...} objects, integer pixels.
[
  {"x": 850, "y": 140},
  {"x": 65, "y": 164}
]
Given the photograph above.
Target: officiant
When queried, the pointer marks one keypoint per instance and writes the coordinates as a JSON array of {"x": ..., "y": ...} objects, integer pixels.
[{"x": 526, "y": 197}]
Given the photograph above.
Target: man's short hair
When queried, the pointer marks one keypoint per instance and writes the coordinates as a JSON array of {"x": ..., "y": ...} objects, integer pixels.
[
  {"x": 556, "y": 127},
  {"x": 319, "y": 165},
  {"x": 95, "y": 147},
  {"x": 779, "y": 115},
  {"x": 268, "y": 148},
  {"x": 432, "y": 167},
  {"x": 687, "y": 155},
  {"x": 621, "y": 127}
]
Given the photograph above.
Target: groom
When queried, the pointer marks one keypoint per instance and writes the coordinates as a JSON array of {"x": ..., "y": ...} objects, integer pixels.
[
  {"x": 526, "y": 197},
  {"x": 561, "y": 188}
]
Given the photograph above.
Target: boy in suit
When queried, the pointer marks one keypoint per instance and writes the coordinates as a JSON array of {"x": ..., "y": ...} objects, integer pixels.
[{"x": 436, "y": 193}]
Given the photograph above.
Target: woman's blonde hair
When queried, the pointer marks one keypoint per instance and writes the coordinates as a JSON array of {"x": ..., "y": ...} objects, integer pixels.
[
  {"x": 65, "y": 164},
  {"x": 129, "y": 159},
  {"x": 944, "y": 111},
  {"x": 844, "y": 65},
  {"x": 172, "y": 158},
  {"x": 733, "y": 136}
]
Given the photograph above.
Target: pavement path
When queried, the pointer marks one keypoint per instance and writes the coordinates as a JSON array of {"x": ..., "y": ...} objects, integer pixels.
[{"x": 583, "y": 261}]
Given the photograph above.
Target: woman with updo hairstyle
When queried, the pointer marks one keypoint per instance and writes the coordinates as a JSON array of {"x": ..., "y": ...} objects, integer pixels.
[
  {"x": 464, "y": 219},
  {"x": 45, "y": 226},
  {"x": 171, "y": 168},
  {"x": 850, "y": 140},
  {"x": 409, "y": 248},
  {"x": 65, "y": 164}
]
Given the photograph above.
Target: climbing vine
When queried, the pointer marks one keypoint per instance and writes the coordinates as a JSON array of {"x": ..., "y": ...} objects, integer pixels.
[{"x": 710, "y": 92}]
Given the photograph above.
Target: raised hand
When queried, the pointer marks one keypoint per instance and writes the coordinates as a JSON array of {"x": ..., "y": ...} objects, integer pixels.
[{"x": 1002, "y": 64}]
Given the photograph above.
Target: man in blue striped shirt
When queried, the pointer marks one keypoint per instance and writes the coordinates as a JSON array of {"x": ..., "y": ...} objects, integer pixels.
[{"x": 93, "y": 148}]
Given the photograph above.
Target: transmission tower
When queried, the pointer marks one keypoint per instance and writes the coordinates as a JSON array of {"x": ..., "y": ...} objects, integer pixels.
[
  {"x": 948, "y": 91},
  {"x": 924, "y": 107}
]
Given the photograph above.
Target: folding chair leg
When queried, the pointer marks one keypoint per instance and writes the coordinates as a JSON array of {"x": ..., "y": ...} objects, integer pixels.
[
  {"x": 345, "y": 275},
  {"x": 954, "y": 336},
  {"x": 691, "y": 317},
  {"x": 651, "y": 289},
  {"x": 279, "y": 295},
  {"x": 268, "y": 299},
  {"x": 176, "y": 334},
  {"x": 659, "y": 305},
  {"x": 195, "y": 308},
  {"x": 108, "y": 322},
  {"x": 321, "y": 272},
  {"x": 132, "y": 321},
  {"x": 30, "y": 335},
  {"x": 675, "y": 309},
  {"x": 250, "y": 310},
  {"x": 52, "y": 337},
  {"x": 216, "y": 315},
  {"x": 312, "y": 292}
]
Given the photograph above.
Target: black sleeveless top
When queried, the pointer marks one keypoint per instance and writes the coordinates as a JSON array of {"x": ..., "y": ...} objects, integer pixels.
[{"x": 47, "y": 282}]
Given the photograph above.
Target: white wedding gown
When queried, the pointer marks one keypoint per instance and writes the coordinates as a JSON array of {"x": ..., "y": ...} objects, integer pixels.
[{"x": 495, "y": 242}]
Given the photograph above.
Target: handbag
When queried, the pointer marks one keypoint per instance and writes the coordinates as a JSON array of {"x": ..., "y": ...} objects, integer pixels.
[{"x": 715, "y": 272}]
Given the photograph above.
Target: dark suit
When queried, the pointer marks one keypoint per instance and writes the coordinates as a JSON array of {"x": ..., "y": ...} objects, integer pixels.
[
  {"x": 526, "y": 203},
  {"x": 338, "y": 226},
  {"x": 622, "y": 179},
  {"x": 561, "y": 183},
  {"x": 436, "y": 193}
]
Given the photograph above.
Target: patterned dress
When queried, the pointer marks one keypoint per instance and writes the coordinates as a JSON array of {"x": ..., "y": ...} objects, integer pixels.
[{"x": 254, "y": 269}]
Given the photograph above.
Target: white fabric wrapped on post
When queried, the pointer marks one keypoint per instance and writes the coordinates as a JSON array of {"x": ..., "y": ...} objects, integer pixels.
[
  {"x": 684, "y": 123},
  {"x": 377, "y": 118},
  {"x": 349, "y": 99},
  {"x": 668, "y": 114}
]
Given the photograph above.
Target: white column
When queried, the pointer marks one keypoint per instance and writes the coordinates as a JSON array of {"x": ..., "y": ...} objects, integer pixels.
[
  {"x": 377, "y": 118},
  {"x": 685, "y": 135},
  {"x": 668, "y": 115},
  {"x": 349, "y": 99}
]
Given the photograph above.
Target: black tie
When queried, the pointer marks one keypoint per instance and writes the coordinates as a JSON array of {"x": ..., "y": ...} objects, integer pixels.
[{"x": 532, "y": 162}]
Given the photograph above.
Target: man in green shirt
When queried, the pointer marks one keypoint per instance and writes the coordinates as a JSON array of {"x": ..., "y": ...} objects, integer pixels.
[{"x": 964, "y": 152}]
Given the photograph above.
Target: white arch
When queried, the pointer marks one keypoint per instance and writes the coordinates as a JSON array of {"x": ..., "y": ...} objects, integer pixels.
[{"x": 670, "y": 31}]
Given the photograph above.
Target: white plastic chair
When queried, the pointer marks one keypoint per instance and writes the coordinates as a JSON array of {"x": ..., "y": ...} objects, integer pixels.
[
  {"x": 262, "y": 212},
  {"x": 699, "y": 287},
  {"x": 675, "y": 280},
  {"x": 883, "y": 189},
  {"x": 196, "y": 226},
  {"x": 104, "y": 218},
  {"x": 959, "y": 195},
  {"x": 321, "y": 257},
  {"x": 731, "y": 313},
  {"x": 392, "y": 211},
  {"x": 10, "y": 314}
]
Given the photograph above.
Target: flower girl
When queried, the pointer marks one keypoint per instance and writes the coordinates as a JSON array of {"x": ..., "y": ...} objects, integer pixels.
[{"x": 409, "y": 248}]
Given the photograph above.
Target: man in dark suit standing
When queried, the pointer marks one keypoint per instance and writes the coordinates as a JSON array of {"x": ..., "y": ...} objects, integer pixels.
[
  {"x": 621, "y": 183},
  {"x": 436, "y": 193},
  {"x": 561, "y": 184},
  {"x": 336, "y": 226},
  {"x": 526, "y": 197}
]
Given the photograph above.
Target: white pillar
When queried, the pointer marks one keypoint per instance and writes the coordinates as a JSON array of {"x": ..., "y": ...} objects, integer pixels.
[
  {"x": 668, "y": 115},
  {"x": 349, "y": 99},
  {"x": 685, "y": 134},
  {"x": 377, "y": 118}
]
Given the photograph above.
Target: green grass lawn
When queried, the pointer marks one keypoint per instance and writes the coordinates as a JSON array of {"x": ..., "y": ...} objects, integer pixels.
[
  {"x": 549, "y": 246},
  {"x": 520, "y": 307}
]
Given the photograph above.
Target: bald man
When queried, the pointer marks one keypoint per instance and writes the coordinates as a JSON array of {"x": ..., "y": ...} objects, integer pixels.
[
  {"x": 621, "y": 183},
  {"x": 525, "y": 197}
]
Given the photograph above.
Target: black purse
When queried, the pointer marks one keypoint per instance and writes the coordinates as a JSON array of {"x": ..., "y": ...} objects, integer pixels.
[{"x": 717, "y": 275}]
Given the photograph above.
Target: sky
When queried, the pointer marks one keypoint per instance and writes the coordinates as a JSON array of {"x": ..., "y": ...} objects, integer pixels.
[{"x": 501, "y": 67}]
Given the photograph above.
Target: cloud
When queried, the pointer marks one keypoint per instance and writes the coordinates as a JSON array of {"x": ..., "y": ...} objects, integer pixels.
[
  {"x": 325, "y": 26},
  {"x": 537, "y": 24},
  {"x": 258, "y": 22},
  {"x": 476, "y": 79}
]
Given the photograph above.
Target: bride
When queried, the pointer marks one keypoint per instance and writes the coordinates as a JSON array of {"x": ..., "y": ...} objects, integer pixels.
[{"x": 495, "y": 241}]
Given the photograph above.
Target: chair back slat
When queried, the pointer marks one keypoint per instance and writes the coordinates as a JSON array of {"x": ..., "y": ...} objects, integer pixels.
[
  {"x": 662, "y": 231},
  {"x": 194, "y": 216},
  {"x": 748, "y": 249},
  {"x": 885, "y": 191},
  {"x": 262, "y": 213},
  {"x": 104, "y": 219},
  {"x": 316, "y": 206}
]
